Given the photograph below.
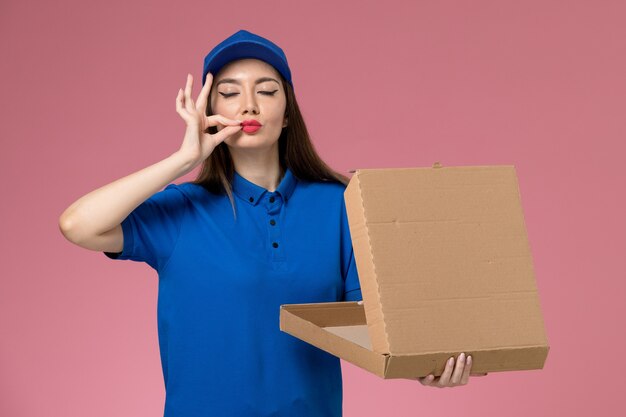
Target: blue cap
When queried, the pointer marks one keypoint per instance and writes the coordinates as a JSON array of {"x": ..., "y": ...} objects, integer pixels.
[{"x": 244, "y": 44}]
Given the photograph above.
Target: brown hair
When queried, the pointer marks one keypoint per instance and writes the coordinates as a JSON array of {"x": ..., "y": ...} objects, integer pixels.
[{"x": 295, "y": 151}]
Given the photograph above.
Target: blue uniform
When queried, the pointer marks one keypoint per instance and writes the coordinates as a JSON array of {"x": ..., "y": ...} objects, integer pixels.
[{"x": 221, "y": 284}]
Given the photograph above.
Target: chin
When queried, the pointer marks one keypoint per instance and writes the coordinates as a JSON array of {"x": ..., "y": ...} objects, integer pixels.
[{"x": 244, "y": 140}]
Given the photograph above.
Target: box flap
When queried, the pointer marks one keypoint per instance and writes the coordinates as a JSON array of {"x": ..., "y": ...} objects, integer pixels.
[{"x": 443, "y": 247}]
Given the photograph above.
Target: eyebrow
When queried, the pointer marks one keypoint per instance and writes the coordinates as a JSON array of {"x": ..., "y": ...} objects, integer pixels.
[{"x": 236, "y": 81}]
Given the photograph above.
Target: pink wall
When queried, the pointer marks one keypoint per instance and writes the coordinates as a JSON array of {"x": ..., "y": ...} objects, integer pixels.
[{"x": 88, "y": 96}]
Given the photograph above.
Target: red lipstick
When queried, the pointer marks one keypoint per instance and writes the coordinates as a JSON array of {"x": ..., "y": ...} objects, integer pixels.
[{"x": 250, "y": 126}]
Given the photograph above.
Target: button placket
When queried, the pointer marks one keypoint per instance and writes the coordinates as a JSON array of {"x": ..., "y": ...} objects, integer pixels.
[{"x": 274, "y": 206}]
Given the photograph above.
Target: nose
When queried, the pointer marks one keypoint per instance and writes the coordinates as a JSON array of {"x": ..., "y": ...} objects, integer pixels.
[{"x": 250, "y": 104}]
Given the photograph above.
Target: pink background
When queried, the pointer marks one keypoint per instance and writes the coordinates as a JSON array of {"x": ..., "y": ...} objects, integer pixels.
[{"x": 88, "y": 96}]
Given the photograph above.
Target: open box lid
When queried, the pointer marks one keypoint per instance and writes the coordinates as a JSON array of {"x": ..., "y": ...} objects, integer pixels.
[{"x": 443, "y": 248}]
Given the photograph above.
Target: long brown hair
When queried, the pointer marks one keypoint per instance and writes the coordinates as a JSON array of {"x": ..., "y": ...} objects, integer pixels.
[{"x": 295, "y": 151}]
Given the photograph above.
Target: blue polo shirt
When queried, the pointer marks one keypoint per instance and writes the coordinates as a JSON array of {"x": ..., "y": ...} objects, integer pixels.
[{"x": 221, "y": 283}]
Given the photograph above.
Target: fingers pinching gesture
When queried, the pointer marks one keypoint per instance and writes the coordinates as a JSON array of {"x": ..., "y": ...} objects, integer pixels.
[
  {"x": 452, "y": 375},
  {"x": 198, "y": 143}
]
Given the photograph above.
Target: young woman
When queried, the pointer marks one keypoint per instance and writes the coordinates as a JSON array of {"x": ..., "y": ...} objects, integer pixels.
[{"x": 263, "y": 224}]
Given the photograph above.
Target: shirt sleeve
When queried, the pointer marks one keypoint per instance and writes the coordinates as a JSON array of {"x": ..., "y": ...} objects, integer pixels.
[
  {"x": 352, "y": 286},
  {"x": 151, "y": 230}
]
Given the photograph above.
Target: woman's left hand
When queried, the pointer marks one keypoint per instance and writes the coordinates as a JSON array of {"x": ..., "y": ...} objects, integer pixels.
[{"x": 459, "y": 377}]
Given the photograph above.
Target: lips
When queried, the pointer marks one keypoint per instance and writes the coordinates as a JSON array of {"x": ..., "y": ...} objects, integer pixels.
[{"x": 250, "y": 128}]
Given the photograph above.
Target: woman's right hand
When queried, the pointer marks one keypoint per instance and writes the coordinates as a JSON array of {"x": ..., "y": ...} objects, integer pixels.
[{"x": 198, "y": 143}]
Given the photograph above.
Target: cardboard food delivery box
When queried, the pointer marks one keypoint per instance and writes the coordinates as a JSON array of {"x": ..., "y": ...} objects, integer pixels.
[{"x": 445, "y": 267}]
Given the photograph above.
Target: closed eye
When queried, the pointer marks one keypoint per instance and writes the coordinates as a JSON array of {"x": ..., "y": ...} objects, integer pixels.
[{"x": 267, "y": 93}]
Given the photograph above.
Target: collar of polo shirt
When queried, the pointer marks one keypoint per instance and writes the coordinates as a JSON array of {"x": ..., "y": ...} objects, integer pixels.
[{"x": 252, "y": 193}]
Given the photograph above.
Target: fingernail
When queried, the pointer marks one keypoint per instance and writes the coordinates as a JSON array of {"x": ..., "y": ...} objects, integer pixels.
[
  {"x": 451, "y": 361},
  {"x": 469, "y": 359},
  {"x": 462, "y": 357}
]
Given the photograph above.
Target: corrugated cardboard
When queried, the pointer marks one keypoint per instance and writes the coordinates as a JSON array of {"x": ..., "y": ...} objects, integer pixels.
[{"x": 445, "y": 267}]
